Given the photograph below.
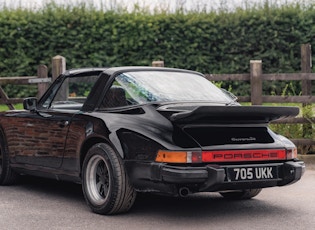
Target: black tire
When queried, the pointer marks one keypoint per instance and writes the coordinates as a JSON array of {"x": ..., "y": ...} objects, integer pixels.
[
  {"x": 241, "y": 195},
  {"x": 7, "y": 175},
  {"x": 105, "y": 183}
]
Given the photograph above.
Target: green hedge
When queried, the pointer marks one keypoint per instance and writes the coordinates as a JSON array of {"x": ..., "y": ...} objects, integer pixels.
[{"x": 210, "y": 42}]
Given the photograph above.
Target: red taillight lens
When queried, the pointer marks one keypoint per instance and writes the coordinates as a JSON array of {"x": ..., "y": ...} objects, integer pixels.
[
  {"x": 243, "y": 155},
  {"x": 225, "y": 156}
]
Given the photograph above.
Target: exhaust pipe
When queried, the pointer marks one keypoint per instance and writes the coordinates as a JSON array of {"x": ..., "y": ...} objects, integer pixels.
[{"x": 183, "y": 191}]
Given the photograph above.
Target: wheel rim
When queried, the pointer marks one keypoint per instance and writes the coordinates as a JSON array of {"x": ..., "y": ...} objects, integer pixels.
[{"x": 97, "y": 180}]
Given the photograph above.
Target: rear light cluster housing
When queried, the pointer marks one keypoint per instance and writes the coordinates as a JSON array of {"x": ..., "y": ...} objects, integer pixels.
[{"x": 167, "y": 156}]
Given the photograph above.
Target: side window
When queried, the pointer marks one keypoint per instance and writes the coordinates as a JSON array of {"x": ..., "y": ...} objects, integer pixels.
[
  {"x": 126, "y": 90},
  {"x": 71, "y": 94},
  {"x": 116, "y": 96}
]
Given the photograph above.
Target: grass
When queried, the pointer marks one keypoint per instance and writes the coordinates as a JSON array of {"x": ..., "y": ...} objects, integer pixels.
[{"x": 5, "y": 107}]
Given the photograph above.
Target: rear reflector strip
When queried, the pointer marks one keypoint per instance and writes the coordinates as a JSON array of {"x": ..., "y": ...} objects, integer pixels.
[
  {"x": 243, "y": 155},
  {"x": 223, "y": 156}
]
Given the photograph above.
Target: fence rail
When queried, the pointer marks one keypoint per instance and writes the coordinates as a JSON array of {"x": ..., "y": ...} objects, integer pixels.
[
  {"x": 41, "y": 80},
  {"x": 255, "y": 79}
]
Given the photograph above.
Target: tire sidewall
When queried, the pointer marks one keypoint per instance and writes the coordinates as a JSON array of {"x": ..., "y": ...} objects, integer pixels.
[{"x": 101, "y": 150}]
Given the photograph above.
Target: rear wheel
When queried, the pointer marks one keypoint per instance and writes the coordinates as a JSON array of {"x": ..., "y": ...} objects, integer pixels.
[
  {"x": 7, "y": 176},
  {"x": 105, "y": 183},
  {"x": 241, "y": 195}
]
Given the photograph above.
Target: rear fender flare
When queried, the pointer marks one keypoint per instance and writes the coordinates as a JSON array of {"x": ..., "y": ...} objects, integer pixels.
[{"x": 88, "y": 143}]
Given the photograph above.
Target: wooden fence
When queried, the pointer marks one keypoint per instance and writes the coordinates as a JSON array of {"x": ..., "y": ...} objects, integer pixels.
[
  {"x": 41, "y": 79},
  {"x": 255, "y": 79}
]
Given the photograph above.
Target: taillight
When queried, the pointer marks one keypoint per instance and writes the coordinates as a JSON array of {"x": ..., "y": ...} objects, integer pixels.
[
  {"x": 171, "y": 156},
  {"x": 291, "y": 153},
  {"x": 224, "y": 155}
]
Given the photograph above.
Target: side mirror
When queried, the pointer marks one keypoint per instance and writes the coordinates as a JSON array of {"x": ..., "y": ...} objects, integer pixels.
[{"x": 30, "y": 103}]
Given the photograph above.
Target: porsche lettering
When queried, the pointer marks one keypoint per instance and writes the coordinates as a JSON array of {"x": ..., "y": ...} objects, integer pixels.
[{"x": 240, "y": 156}]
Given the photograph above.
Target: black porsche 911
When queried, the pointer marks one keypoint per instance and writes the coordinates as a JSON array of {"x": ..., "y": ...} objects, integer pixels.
[{"x": 124, "y": 130}]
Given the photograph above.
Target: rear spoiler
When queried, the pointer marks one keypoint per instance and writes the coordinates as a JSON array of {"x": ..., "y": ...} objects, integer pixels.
[{"x": 234, "y": 114}]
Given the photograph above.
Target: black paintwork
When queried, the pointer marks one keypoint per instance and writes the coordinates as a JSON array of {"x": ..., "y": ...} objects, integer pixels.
[
  {"x": 234, "y": 114},
  {"x": 136, "y": 133}
]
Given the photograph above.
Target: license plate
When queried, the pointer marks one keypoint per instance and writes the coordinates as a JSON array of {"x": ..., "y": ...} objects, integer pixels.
[{"x": 252, "y": 173}]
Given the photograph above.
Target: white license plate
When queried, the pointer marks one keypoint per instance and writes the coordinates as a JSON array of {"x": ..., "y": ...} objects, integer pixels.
[{"x": 253, "y": 173}]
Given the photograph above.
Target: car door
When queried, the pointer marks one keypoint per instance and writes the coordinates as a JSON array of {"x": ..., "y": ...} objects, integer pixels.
[
  {"x": 40, "y": 134},
  {"x": 41, "y": 137}
]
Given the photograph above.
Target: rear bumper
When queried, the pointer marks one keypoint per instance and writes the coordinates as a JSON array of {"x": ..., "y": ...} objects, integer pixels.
[{"x": 163, "y": 178}]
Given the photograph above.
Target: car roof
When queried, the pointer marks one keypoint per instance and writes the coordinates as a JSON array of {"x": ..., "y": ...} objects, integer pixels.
[
  {"x": 83, "y": 70},
  {"x": 117, "y": 70}
]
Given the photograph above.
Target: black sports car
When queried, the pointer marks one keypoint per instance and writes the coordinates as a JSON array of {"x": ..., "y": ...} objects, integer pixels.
[{"x": 124, "y": 130}]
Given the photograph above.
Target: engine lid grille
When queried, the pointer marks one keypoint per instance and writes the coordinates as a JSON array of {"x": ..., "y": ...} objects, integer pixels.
[{"x": 207, "y": 136}]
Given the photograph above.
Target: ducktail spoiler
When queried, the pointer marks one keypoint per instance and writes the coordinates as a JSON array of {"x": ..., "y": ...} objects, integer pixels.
[{"x": 234, "y": 114}]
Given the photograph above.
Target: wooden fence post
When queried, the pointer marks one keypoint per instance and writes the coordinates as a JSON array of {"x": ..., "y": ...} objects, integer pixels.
[
  {"x": 58, "y": 67},
  {"x": 42, "y": 72},
  {"x": 158, "y": 63},
  {"x": 256, "y": 81},
  {"x": 306, "y": 67}
]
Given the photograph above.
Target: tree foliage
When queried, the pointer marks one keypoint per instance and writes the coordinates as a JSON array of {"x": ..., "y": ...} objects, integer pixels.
[{"x": 209, "y": 42}]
